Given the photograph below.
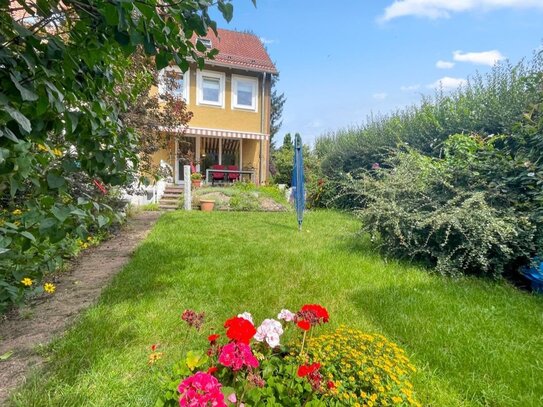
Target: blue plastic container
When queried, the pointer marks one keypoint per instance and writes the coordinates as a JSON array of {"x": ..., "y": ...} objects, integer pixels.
[{"x": 535, "y": 275}]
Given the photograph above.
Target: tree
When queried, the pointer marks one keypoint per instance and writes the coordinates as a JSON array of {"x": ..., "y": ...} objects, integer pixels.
[
  {"x": 61, "y": 103},
  {"x": 284, "y": 160},
  {"x": 277, "y": 102},
  {"x": 151, "y": 114},
  {"x": 287, "y": 141}
]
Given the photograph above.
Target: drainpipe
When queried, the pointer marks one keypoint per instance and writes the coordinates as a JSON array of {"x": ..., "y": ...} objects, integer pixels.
[{"x": 262, "y": 104}]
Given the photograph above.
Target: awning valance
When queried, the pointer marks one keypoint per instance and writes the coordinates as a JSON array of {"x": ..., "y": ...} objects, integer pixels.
[
  {"x": 199, "y": 131},
  {"x": 221, "y": 133}
]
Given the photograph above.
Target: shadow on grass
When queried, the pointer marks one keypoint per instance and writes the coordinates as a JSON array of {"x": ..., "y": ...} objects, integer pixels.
[{"x": 466, "y": 330}]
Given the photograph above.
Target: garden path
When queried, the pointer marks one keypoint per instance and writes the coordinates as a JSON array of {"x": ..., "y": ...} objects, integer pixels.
[{"x": 24, "y": 332}]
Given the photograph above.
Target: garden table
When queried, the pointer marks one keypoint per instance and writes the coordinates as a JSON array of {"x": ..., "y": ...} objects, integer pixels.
[{"x": 251, "y": 173}]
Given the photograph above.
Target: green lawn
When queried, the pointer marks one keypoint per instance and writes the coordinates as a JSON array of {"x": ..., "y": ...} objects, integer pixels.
[{"x": 475, "y": 343}]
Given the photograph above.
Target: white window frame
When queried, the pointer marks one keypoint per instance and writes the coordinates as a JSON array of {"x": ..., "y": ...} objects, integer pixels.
[
  {"x": 200, "y": 91},
  {"x": 254, "y": 81},
  {"x": 186, "y": 81}
]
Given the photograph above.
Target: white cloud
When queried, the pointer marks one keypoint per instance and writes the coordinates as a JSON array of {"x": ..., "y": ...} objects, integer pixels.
[
  {"x": 410, "y": 88},
  {"x": 444, "y": 64},
  {"x": 267, "y": 41},
  {"x": 489, "y": 58},
  {"x": 434, "y": 9},
  {"x": 447, "y": 83},
  {"x": 380, "y": 96}
]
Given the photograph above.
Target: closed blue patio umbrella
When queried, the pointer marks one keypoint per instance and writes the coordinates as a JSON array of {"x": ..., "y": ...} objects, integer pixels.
[{"x": 298, "y": 189}]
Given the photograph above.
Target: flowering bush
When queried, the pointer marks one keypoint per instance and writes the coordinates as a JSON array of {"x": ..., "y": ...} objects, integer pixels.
[
  {"x": 250, "y": 366},
  {"x": 364, "y": 369}
]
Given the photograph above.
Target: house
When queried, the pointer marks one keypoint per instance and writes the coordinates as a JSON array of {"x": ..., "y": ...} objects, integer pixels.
[{"x": 230, "y": 100}]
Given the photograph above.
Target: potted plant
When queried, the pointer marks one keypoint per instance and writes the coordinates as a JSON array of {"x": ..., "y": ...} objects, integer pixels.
[
  {"x": 206, "y": 205},
  {"x": 196, "y": 179}
]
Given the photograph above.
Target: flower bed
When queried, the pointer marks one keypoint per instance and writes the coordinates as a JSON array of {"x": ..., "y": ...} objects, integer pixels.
[{"x": 282, "y": 364}]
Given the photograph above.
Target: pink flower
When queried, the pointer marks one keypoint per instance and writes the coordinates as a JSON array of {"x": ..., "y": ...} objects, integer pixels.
[
  {"x": 233, "y": 399},
  {"x": 201, "y": 389},
  {"x": 247, "y": 315},
  {"x": 236, "y": 355},
  {"x": 287, "y": 315},
  {"x": 270, "y": 331}
]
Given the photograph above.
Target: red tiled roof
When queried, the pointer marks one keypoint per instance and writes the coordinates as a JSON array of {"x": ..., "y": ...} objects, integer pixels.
[
  {"x": 18, "y": 12},
  {"x": 242, "y": 50}
]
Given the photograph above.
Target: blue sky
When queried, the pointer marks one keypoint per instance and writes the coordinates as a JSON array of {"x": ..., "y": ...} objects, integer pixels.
[{"x": 341, "y": 61}]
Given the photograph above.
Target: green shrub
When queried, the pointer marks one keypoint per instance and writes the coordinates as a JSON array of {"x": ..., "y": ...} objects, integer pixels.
[
  {"x": 245, "y": 202},
  {"x": 36, "y": 240},
  {"x": 440, "y": 211}
]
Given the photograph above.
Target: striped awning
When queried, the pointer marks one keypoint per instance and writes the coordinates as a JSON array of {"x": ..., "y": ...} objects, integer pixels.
[{"x": 199, "y": 131}]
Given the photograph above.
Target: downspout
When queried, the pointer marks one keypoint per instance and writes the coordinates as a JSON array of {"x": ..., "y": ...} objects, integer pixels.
[{"x": 261, "y": 125}]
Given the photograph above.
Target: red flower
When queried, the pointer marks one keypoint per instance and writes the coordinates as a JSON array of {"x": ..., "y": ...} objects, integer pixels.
[
  {"x": 305, "y": 370},
  {"x": 213, "y": 338},
  {"x": 212, "y": 370},
  {"x": 319, "y": 311},
  {"x": 239, "y": 330},
  {"x": 303, "y": 324},
  {"x": 153, "y": 347},
  {"x": 330, "y": 385}
]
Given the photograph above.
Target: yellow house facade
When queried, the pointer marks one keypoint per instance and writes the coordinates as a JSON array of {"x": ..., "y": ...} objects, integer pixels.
[{"x": 231, "y": 102}]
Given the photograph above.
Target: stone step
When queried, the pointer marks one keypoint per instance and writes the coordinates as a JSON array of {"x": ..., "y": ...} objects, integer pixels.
[
  {"x": 169, "y": 203},
  {"x": 166, "y": 207},
  {"x": 171, "y": 197}
]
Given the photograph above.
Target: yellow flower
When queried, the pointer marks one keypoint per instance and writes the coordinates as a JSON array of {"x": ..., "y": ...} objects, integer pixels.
[
  {"x": 49, "y": 288},
  {"x": 42, "y": 147},
  {"x": 27, "y": 281},
  {"x": 153, "y": 357},
  {"x": 57, "y": 152},
  {"x": 17, "y": 212}
]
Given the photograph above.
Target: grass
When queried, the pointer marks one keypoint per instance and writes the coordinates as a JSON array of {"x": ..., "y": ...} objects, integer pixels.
[{"x": 476, "y": 343}]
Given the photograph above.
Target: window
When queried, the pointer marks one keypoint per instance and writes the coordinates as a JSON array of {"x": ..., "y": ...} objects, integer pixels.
[
  {"x": 244, "y": 92},
  {"x": 174, "y": 82},
  {"x": 206, "y": 42},
  {"x": 211, "y": 88}
]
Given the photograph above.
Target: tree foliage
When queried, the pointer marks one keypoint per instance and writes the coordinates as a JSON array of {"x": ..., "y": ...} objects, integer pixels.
[
  {"x": 61, "y": 99},
  {"x": 159, "y": 120},
  {"x": 277, "y": 103},
  {"x": 488, "y": 104}
]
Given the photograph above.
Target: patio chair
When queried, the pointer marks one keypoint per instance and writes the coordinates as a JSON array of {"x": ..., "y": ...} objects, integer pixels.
[
  {"x": 217, "y": 176},
  {"x": 232, "y": 176}
]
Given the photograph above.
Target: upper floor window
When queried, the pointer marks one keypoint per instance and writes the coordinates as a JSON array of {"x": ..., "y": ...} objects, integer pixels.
[
  {"x": 206, "y": 42},
  {"x": 174, "y": 82},
  {"x": 211, "y": 88},
  {"x": 244, "y": 92}
]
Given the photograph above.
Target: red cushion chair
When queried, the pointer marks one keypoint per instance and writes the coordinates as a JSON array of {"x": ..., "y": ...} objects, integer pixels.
[
  {"x": 232, "y": 176},
  {"x": 217, "y": 176}
]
